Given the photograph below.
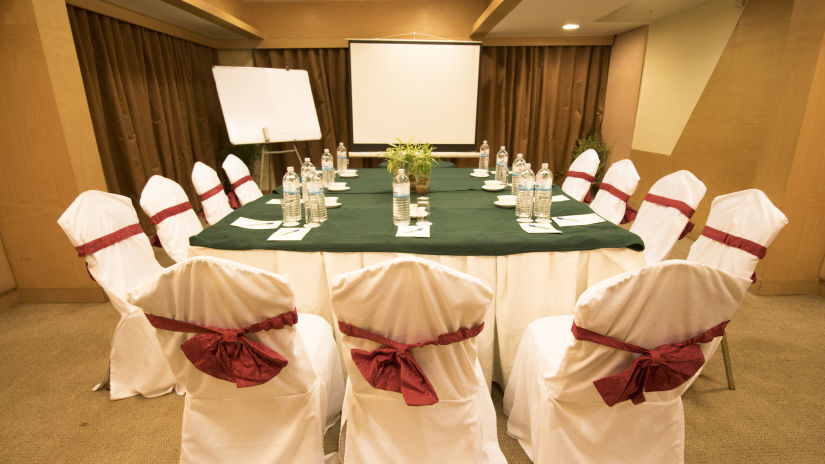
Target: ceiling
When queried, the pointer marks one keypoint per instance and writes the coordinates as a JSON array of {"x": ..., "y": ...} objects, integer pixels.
[{"x": 530, "y": 18}]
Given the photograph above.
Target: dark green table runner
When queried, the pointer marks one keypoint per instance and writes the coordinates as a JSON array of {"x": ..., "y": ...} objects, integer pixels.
[{"x": 465, "y": 223}]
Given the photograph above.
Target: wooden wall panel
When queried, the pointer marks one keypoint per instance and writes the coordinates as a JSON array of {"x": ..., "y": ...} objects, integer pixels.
[{"x": 50, "y": 153}]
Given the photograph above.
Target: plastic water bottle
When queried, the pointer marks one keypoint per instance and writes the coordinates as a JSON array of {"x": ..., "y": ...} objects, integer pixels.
[
  {"x": 291, "y": 202},
  {"x": 484, "y": 156},
  {"x": 518, "y": 167},
  {"x": 401, "y": 199},
  {"x": 524, "y": 197},
  {"x": 306, "y": 169},
  {"x": 316, "y": 206},
  {"x": 501, "y": 165},
  {"x": 544, "y": 193},
  {"x": 343, "y": 161},
  {"x": 327, "y": 167}
]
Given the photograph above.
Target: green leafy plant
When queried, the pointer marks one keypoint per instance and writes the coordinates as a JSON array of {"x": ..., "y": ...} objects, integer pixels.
[
  {"x": 417, "y": 158},
  {"x": 595, "y": 142}
]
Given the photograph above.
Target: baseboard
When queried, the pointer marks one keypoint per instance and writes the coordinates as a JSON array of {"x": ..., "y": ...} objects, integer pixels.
[
  {"x": 787, "y": 287},
  {"x": 62, "y": 295},
  {"x": 9, "y": 299}
]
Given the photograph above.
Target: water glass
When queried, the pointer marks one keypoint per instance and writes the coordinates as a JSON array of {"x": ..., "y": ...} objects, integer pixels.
[{"x": 423, "y": 210}]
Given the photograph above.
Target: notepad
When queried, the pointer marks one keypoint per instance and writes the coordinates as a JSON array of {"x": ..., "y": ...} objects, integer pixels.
[
  {"x": 289, "y": 233},
  {"x": 422, "y": 231},
  {"x": 578, "y": 220},
  {"x": 539, "y": 228},
  {"x": 247, "y": 223}
]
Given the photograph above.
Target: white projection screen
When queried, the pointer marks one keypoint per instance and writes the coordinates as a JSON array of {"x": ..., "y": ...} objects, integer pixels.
[{"x": 426, "y": 91}]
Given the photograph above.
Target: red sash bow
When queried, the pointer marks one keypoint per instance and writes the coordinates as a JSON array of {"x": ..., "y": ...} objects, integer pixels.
[
  {"x": 662, "y": 368},
  {"x": 681, "y": 206},
  {"x": 227, "y": 354},
  {"x": 392, "y": 367},
  {"x": 629, "y": 213}
]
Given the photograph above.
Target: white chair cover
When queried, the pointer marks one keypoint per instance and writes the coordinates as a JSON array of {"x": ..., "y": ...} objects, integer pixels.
[
  {"x": 180, "y": 222},
  {"x": 136, "y": 363},
  {"x": 411, "y": 300},
  {"x": 555, "y": 411},
  {"x": 623, "y": 176},
  {"x": 588, "y": 163},
  {"x": 660, "y": 226},
  {"x": 747, "y": 214},
  {"x": 242, "y": 184},
  {"x": 281, "y": 420},
  {"x": 207, "y": 184}
]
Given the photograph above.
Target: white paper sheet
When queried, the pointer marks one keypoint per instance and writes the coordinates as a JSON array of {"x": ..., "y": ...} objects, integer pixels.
[
  {"x": 577, "y": 220},
  {"x": 558, "y": 198},
  {"x": 247, "y": 223},
  {"x": 289, "y": 233},
  {"x": 329, "y": 201},
  {"x": 414, "y": 231},
  {"x": 538, "y": 228}
]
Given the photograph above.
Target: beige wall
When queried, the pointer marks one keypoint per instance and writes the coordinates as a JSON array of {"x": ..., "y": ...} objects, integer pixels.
[
  {"x": 623, "y": 83},
  {"x": 49, "y": 153},
  {"x": 235, "y": 58},
  {"x": 682, "y": 52},
  {"x": 6, "y": 277},
  {"x": 758, "y": 123}
]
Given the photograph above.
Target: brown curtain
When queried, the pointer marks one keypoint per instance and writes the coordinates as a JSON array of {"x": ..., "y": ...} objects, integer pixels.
[
  {"x": 327, "y": 68},
  {"x": 539, "y": 100},
  {"x": 153, "y": 102}
]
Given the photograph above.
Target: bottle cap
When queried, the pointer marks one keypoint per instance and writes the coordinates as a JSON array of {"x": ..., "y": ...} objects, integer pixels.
[
  {"x": 306, "y": 160},
  {"x": 326, "y": 150},
  {"x": 290, "y": 169},
  {"x": 544, "y": 165},
  {"x": 519, "y": 156},
  {"x": 483, "y": 142},
  {"x": 401, "y": 170},
  {"x": 502, "y": 147}
]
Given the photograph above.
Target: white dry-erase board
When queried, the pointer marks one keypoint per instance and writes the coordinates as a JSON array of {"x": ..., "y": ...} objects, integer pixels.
[{"x": 279, "y": 100}]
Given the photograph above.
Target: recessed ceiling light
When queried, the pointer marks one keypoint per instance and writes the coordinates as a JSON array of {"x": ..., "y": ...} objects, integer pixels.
[{"x": 570, "y": 27}]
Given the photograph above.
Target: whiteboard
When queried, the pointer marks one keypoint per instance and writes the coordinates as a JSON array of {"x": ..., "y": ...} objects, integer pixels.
[{"x": 279, "y": 100}]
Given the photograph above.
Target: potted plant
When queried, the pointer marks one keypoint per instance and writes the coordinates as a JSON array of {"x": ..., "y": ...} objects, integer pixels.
[
  {"x": 595, "y": 142},
  {"x": 416, "y": 158}
]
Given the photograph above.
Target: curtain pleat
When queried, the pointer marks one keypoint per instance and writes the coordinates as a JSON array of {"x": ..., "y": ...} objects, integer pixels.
[
  {"x": 152, "y": 99},
  {"x": 540, "y": 100}
]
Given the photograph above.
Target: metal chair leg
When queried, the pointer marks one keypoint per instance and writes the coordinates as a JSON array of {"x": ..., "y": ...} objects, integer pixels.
[{"x": 728, "y": 366}]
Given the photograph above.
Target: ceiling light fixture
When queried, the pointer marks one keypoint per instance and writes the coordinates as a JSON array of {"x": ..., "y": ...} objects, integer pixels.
[{"x": 570, "y": 27}]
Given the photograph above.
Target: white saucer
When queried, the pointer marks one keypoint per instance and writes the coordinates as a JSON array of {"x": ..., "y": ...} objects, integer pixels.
[
  {"x": 479, "y": 175},
  {"x": 348, "y": 176},
  {"x": 333, "y": 205},
  {"x": 504, "y": 205},
  {"x": 493, "y": 189},
  {"x": 339, "y": 189}
]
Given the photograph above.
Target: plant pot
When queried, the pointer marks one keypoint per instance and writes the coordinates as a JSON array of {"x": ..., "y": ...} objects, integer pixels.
[{"x": 422, "y": 185}]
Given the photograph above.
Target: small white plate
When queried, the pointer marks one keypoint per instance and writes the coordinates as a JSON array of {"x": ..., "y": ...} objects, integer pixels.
[
  {"x": 348, "y": 175},
  {"x": 337, "y": 189},
  {"x": 501, "y": 204},
  {"x": 333, "y": 205},
  {"x": 496, "y": 188},
  {"x": 474, "y": 174}
]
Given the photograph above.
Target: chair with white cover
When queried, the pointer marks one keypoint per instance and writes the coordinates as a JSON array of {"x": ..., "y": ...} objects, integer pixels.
[
  {"x": 168, "y": 208},
  {"x": 415, "y": 390},
  {"x": 103, "y": 228},
  {"x": 664, "y": 216},
  {"x": 581, "y": 174},
  {"x": 589, "y": 397},
  {"x": 610, "y": 202},
  {"x": 259, "y": 377},
  {"x": 214, "y": 201},
  {"x": 242, "y": 184},
  {"x": 740, "y": 227}
]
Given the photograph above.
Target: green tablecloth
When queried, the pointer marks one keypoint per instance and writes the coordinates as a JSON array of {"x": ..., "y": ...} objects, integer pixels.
[{"x": 465, "y": 223}]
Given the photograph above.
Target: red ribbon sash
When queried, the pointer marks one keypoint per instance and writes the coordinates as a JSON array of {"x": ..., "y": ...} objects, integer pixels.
[
  {"x": 169, "y": 212},
  {"x": 581, "y": 175},
  {"x": 241, "y": 181},
  {"x": 107, "y": 240},
  {"x": 733, "y": 241},
  {"x": 614, "y": 191},
  {"x": 683, "y": 208},
  {"x": 211, "y": 192},
  {"x": 662, "y": 368},
  {"x": 392, "y": 367},
  {"x": 227, "y": 354}
]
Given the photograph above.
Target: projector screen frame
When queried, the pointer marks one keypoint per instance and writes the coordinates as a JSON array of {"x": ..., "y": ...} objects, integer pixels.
[{"x": 374, "y": 147}]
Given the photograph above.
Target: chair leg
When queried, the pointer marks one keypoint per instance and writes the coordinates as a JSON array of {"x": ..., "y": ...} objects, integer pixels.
[{"x": 728, "y": 366}]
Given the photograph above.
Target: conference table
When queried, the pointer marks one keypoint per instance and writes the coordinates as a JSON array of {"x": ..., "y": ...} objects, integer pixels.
[{"x": 531, "y": 275}]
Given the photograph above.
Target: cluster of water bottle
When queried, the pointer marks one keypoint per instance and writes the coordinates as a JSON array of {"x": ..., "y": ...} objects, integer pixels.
[
  {"x": 309, "y": 189},
  {"x": 533, "y": 191}
]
